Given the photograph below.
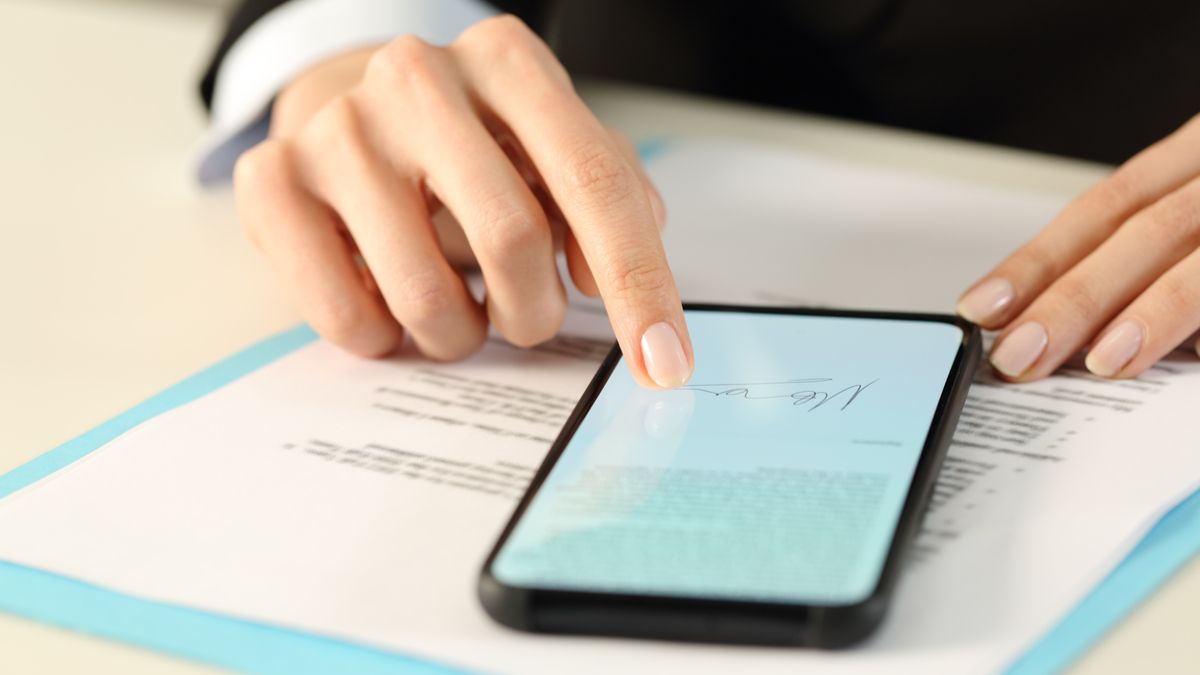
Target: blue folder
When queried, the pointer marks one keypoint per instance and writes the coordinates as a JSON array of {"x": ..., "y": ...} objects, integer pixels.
[{"x": 260, "y": 648}]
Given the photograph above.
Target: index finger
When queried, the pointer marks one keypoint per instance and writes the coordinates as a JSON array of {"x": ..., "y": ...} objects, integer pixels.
[{"x": 599, "y": 193}]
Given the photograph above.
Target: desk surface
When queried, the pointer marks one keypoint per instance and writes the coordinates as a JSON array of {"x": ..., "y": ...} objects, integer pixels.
[{"x": 120, "y": 277}]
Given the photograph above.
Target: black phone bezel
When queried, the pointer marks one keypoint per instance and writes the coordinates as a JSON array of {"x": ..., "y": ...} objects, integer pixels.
[{"x": 549, "y": 610}]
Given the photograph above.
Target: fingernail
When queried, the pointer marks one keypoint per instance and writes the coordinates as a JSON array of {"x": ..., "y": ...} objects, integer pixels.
[
  {"x": 659, "y": 208},
  {"x": 663, "y": 354},
  {"x": 986, "y": 301},
  {"x": 1020, "y": 349},
  {"x": 1116, "y": 349}
]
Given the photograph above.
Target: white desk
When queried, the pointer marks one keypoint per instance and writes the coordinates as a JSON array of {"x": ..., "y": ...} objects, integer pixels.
[{"x": 119, "y": 277}]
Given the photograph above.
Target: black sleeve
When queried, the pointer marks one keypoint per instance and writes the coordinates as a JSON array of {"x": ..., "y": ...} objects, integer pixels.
[{"x": 249, "y": 11}]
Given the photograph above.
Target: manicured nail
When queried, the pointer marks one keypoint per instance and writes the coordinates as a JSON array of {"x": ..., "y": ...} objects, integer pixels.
[
  {"x": 1116, "y": 349},
  {"x": 663, "y": 354},
  {"x": 1020, "y": 349},
  {"x": 986, "y": 301}
]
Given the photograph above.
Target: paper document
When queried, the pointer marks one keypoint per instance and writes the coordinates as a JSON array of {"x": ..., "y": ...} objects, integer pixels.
[{"x": 357, "y": 498}]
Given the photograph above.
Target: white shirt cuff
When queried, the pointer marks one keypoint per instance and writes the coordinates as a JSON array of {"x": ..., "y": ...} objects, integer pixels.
[{"x": 296, "y": 36}]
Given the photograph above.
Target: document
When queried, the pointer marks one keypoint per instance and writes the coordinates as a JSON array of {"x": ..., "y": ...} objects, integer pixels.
[{"x": 357, "y": 499}]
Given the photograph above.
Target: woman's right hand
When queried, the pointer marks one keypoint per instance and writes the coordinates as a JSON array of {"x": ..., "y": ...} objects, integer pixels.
[{"x": 365, "y": 151}]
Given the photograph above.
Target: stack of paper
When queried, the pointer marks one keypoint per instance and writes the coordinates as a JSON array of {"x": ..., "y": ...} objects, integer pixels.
[{"x": 356, "y": 499}]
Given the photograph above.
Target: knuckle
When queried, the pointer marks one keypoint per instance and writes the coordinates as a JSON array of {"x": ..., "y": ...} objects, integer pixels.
[
  {"x": 335, "y": 144},
  {"x": 262, "y": 167},
  {"x": 420, "y": 300},
  {"x": 505, "y": 41},
  {"x": 1173, "y": 221},
  {"x": 338, "y": 126},
  {"x": 502, "y": 27},
  {"x": 508, "y": 229},
  {"x": 340, "y": 320},
  {"x": 1076, "y": 301},
  {"x": 1037, "y": 262},
  {"x": 597, "y": 171},
  {"x": 502, "y": 35},
  {"x": 541, "y": 326},
  {"x": 1178, "y": 299},
  {"x": 261, "y": 174},
  {"x": 1117, "y": 194},
  {"x": 640, "y": 275},
  {"x": 406, "y": 63},
  {"x": 404, "y": 54}
]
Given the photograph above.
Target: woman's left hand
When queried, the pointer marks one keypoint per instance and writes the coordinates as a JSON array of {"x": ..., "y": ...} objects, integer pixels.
[{"x": 1118, "y": 272}]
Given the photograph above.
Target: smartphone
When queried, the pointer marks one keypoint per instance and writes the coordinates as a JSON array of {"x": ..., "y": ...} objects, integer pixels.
[{"x": 767, "y": 501}]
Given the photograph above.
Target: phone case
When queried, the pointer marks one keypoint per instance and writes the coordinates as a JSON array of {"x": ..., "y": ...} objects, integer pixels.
[{"x": 728, "y": 621}]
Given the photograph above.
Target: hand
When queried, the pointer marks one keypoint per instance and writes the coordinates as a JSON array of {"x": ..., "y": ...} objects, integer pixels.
[
  {"x": 1118, "y": 271},
  {"x": 368, "y": 149}
]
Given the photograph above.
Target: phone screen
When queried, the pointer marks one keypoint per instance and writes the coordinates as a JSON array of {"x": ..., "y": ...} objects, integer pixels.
[{"x": 777, "y": 474}]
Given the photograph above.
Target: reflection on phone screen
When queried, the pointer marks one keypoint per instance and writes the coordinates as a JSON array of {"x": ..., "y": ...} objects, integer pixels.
[{"x": 777, "y": 474}]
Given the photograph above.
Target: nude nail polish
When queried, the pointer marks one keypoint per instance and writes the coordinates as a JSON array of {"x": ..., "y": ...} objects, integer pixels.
[
  {"x": 1116, "y": 349},
  {"x": 985, "y": 302},
  {"x": 663, "y": 354},
  {"x": 1020, "y": 349}
]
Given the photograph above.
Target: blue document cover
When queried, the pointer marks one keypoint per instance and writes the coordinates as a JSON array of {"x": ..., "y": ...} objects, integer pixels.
[{"x": 260, "y": 648}]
